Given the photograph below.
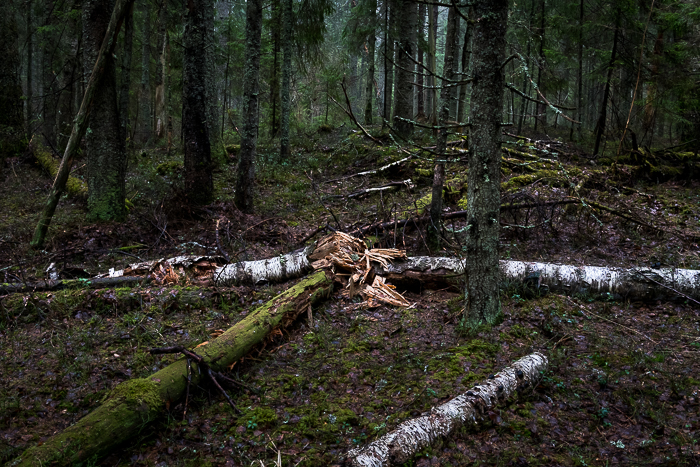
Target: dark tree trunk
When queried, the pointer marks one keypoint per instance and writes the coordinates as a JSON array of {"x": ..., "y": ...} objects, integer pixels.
[
  {"x": 403, "y": 119},
  {"x": 431, "y": 101},
  {"x": 446, "y": 95},
  {"x": 275, "y": 77},
  {"x": 369, "y": 87},
  {"x": 541, "y": 116},
  {"x": 420, "y": 90},
  {"x": 526, "y": 82},
  {"x": 30, "y": 70},
  {"x": 212, "y": 80},
  {"x": 600, "y": 126},
  {"x": 49, "y": 83},
  {"x": 462, "y": 104},
  {"x": 388, "y": 65},
  {"x": 105, "y": 147},
  {"x": 199, "y": 184},
  {"x": 579, "y": 77},
  {"x": 145, "y": 115},
  {"x": 246, "y": 169},
  {"x": 483, "y": 193},
  {"x": 287, "y": 19},
  {"x": 160, "y": 75},
  {"x": 11, "y": 108},
  {"x": 126, "y": 74},
  {"x": 454, "y": 90}
]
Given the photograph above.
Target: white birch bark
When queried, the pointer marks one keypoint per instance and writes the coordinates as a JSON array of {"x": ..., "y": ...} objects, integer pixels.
[
  {"x": 632, "y": 283},
  {"x": 277, "y": 269},
  {"x": 412, "y": 435}
]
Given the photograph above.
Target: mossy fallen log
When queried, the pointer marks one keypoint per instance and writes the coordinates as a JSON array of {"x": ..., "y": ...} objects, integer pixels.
[
  {"x": 134, "y": 404},
  {"x": 399, "y": 445},
  {"x": 74, "y": 186}
]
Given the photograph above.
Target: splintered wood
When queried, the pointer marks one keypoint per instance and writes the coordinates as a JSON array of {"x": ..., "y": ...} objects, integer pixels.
[{"x": 352, "y": 263}]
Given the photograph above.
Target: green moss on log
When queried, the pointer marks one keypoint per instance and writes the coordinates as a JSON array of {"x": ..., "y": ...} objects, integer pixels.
[
  {"x": 133, "y": 404},
  {"x": 74, "y": 186}
]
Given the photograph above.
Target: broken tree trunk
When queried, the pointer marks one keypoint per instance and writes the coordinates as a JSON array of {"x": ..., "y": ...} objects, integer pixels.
[
  {"x": 632, "y": 283},
  {"x": 410, "y": 436},
  {"x": 135, "y": 403}
]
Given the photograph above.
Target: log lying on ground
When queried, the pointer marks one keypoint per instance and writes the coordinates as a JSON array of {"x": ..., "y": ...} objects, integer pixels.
[
  {"x": 409, "y": 437},
  {"x": 633, "y": 283},
  {"x": 135, "y": 403}
]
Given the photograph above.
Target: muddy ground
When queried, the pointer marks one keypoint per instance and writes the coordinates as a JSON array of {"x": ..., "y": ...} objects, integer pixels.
[{"x": 624, "y": 378}]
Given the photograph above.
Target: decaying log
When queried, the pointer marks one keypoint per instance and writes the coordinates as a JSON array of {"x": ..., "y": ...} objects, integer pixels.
[
  {"x": 135, "y": 403},
  {"x": 410, "y": 436},
  {"x": 125, "y": 281}
]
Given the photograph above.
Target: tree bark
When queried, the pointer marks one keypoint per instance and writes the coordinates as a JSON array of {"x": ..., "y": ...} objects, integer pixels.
[
  {"x": 145, "y": 115},
  {"x": 431, "y": 101},
  {"x": 126, "y": 75},
  {"x": 135, "y": 403},
  {"x": 411, "y": 436},
  {"x": 388, "y": 61},
  {"x": 403, "y": 119},
  {"x": 420, "y": 90},
  {"x": 245, "y": 180},
  {"x": 11, "y": 106},
  {"x": 483, "y": 193},
  {"x": 30, "y": 70},
  {"x": 371, "y": 41},
  {"x": 446, "y": 98},
  {"x": 600, "y": 126},
  {"x": 199, "y": 182},
  {"x": 462, "y": 104},
  {"x": 80, "y": 124},
  {"x": 286, "y": 98},
  {"x": 106, "y": 165}
]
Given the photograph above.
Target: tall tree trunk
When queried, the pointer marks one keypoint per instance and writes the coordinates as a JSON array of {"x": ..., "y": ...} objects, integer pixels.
[
  {"x": 246, "y": 169},
  {"x": 462, "y": 104},
  {"x": 650, "y": 103},
  {"x": 403, "y": 119},
  {"x": 106, "y": 167},
  {"x": 49, "y": 90},
  {"x": 600, "y": 126},
  {"x": 287, "y": 19},
  {"x": 454, "y": 90},
  {"x": 369, "y": 87},
  {"x": 483, "y": 193},
  {"x": 145, "y": 115},
  {"x": 30, "y": 69},
  {"x": 126, "y": 74},
  {"x": 212, "y": 88},
  {"x": 159, "y": 78},
  {"x": 579, "y": 77},
  {"x": 388, "y": 62},
  {"x": 420, "y": 89},
  {"x": 524, "y": 103},
  {"x": 446, "y": 94},
  {"x": 541, "y": 117},
  {"x": 68, "y": 84},
  {"x": 431, "y": 101},
  {"x": 11, "y": 105},
  {"x": 199, "y": 183},
  {"x": 275, "y": 78}
]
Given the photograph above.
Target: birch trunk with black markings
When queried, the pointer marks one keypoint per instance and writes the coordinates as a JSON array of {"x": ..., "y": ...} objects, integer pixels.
[{"x": 409, "y": 437}]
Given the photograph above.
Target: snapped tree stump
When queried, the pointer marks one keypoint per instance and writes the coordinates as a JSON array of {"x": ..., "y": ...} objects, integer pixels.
[{"x": 135, "y": 403}]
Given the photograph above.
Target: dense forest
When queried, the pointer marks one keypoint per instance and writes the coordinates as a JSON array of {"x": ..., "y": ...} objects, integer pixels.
[{"x": 373, "y": 232}]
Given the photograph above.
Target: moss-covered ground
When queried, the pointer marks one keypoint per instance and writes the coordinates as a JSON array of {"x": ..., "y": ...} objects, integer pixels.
[{"x": 624, "y": 381}]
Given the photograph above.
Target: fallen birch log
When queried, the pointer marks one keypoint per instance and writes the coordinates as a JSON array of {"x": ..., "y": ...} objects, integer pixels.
[
  {"x": 413, "y": 435},
  {"x": 633, "y": 283},
  {"x": 135, "y": 403}
]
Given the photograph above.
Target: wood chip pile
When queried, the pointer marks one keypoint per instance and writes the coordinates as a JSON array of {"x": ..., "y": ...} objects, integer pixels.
[{"x": 352, "y": 263}]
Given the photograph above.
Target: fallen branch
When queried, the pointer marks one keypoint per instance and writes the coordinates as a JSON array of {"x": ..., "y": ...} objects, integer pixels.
[
  {"x": 134, "y": 404},
  {"x": 370, "y": 191},
  {"x": 348, "y": 111},
  {"x": 370, "y": 172},
  {"x": 409, "y": 437}
]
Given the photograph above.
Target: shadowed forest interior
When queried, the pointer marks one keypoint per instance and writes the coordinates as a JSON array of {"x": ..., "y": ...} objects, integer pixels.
[{"x": 289, "y": 232}]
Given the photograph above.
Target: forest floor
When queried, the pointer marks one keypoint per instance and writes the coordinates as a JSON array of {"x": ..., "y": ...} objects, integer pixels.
[{"x": 623, "y": 385}]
